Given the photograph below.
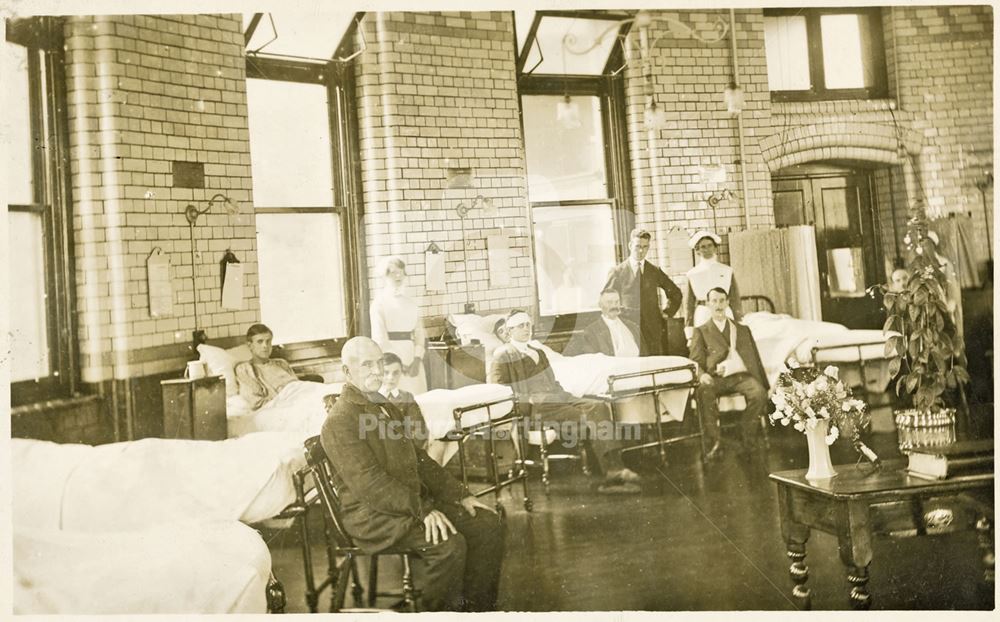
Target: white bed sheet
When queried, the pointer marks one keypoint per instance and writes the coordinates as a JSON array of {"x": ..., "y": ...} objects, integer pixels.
[
  {"x": 781, "y": 337},
  {"x": 131, "y": 485},
  {"x": 438, "y": 407},
  {"x": 297, "y": 409},
  {"x": 189, "y": 567}
]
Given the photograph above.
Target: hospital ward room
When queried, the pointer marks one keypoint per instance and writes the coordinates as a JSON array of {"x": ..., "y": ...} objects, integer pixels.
[{"x": 331, "y": 310}]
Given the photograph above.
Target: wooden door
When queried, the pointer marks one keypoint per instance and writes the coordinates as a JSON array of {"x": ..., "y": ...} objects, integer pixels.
[{"x": 839, "y": 203}]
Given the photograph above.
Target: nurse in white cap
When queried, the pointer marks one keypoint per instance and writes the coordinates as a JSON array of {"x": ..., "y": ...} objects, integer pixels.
[{"x": 708, "y": 273}]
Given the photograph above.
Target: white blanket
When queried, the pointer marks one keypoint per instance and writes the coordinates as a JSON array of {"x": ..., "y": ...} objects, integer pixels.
[
  {"x": 781, "y": 337},
  {"x": 189, "y": 567},
  {"x": 438, "y": 408},
  {"x": 131, "y": 485},
  {"x": 298, "y": 409}
]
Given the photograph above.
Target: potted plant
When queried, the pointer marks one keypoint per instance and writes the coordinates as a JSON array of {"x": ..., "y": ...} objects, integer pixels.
[{"x": 924, "y": 346}]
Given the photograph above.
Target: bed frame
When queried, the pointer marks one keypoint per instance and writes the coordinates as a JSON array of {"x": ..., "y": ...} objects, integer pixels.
[
  {"x": 614, "y": 396},
  {"x": 758, "y": 302},
  {"x": 514, "y": 419}
]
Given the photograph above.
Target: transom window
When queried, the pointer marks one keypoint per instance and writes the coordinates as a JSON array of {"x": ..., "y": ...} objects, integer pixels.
[{"x": 817, "y": 54}]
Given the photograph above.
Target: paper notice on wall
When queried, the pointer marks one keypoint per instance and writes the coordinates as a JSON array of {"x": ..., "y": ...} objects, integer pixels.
[
  {"x": 679, "y": 256},
  {"x": 232, "y": 287},
  {"x": 434, "y": 271},
  {"x": 498, "y": 258},
  {"x": 161, "y": 293}
]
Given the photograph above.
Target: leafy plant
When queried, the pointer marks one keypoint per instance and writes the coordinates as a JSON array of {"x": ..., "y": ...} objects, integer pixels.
[{"x": 926, "y": 340}]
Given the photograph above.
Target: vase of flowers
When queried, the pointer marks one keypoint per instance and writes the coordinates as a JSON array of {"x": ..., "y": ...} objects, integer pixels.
[{"x": 818, "y": 404}]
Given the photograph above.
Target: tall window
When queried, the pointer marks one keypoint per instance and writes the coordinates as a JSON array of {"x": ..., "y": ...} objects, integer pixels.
[
  {"x": 299, "y": 234},
  {"x": 42, "y": 326},
  {"x": 302, "y": 153},
  {"x": 572, "y": 111},
  {"x": 571, "y": 207},
  {"x": 824, "y": 53}
]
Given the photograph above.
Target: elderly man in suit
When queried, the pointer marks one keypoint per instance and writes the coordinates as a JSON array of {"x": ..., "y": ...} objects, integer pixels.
[
  {"x": 610, "y": 334},
  {"x": 523, "y": 364},
  {"x": 729, "y": 363},
  {"x": 395, "y": 497},
  {"x": 638, "y": 282}
]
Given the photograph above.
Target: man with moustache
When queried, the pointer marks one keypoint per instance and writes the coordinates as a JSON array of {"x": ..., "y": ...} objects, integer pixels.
[{"x": 395, "y": 497}]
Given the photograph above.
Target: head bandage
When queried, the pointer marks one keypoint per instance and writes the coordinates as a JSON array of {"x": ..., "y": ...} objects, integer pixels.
[{"x": 517, "y": 319}]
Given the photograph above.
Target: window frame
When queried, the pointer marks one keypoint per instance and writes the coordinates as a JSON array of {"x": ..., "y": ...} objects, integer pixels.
[
  {"x": 338, "y": 78},
  {"x": 817, "y": 72},
  {"x": 52, "y": 198},
  {"x": 610, "y": 89}
]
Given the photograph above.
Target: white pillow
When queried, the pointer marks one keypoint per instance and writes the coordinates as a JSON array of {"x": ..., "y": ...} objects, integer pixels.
[{"x": 220, "y": 363}]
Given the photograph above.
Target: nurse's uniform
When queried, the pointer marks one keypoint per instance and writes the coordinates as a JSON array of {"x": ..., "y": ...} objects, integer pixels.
[
  {"x": 397, "y": 328},
  {"x": 709, "y": 274}
]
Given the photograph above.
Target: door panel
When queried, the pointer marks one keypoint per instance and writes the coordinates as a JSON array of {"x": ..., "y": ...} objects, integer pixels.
[{"x": 840, "y": 207}]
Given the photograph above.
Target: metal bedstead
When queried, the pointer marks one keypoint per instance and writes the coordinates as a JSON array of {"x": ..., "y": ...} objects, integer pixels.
[
  {"x": 511, "y": 421},
  {"x": 616, "y": 395},
  {"x": 758, "y": 302}
]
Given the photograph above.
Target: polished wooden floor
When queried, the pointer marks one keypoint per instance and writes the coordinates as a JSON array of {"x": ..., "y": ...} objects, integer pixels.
[{"x": 697, "y": 539}]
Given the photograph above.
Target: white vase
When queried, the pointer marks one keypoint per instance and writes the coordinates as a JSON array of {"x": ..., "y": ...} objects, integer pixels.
[{"x": 820, "y": 466}]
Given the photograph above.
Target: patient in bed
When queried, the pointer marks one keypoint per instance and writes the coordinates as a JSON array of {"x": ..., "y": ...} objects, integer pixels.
[
  {"x": 526, "y": 369},
  {"x": 262, "y": 377}
]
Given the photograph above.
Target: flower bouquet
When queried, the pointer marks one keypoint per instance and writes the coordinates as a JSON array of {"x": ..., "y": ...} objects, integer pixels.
[{"x": 818, "y": 404}]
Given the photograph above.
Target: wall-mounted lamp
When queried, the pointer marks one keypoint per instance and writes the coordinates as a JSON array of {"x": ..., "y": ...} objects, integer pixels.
[
  {"x": 463, "y": 210},
  {"x": 191, "y": 213},
  {"x": 713, "y": 201}
]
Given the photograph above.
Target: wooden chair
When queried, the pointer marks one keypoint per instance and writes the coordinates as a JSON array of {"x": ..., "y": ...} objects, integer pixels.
[{"x": 340, "y": 545}]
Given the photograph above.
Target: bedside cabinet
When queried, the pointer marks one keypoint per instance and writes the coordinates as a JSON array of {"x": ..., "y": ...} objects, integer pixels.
[
  {"x": 194, "y": 409},
  {"x": 454, "y": 366}
]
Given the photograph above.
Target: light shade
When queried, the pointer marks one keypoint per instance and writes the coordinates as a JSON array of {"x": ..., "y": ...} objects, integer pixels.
[{"x": 568, "y": 113}]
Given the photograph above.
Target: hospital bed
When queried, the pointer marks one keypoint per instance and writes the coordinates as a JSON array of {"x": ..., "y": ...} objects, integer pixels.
[
  {"x": 298, "y": 411},
  {"x": 482, "y": 411},
  {"x": 859, "y": 354},
  {"x": 638, "y": 390},
  {"x": 72, "y": 501}
]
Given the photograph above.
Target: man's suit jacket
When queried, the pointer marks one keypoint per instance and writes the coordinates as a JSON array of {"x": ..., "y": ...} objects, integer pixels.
[
  {"x": 640, "y": 299},
  {"x": 387, "y": 484},
  {"x": 531, "y": 381},
  {"x": 597, "y": 338},
  {"x": 709, "y": 347}
]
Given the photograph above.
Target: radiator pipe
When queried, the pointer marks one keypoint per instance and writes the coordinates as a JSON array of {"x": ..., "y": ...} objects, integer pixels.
[{"x": 739, "y": 123}]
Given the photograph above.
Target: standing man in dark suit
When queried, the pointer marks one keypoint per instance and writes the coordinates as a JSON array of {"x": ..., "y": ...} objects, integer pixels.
[
  {"x": 637, "y": 282},
  {"x": 729, "y": 363},
  {"x": 395, "y": 497},
  {"x": 610, "y": 334}
]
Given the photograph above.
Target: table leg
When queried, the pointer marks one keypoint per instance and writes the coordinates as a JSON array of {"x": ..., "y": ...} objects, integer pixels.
[
  {"x": 855, "y": 539},
  {"x": 984, "y": 527},
  {"x": 796, "y": 535}
]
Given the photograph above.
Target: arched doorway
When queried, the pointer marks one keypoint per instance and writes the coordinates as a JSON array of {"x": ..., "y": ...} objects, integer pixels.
[{"x": 840, "y": 201}]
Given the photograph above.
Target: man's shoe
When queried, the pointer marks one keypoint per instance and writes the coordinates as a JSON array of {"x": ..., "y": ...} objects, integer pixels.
[
  {"x": 714, "y": 452},
  {"x": 618, "y": 488},
  {"x": 627, "y": 476}
]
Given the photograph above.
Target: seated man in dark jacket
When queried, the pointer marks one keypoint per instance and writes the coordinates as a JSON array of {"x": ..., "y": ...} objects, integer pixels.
[
  {"x": 729, "y": 363},
  {"x": 395, "y": 497},
  {"x": 611, "y": 334},
  {"x": 526, "y": 369}
]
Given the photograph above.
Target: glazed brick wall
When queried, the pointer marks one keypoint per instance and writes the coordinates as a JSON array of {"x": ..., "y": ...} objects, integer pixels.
[
  {"x": 439, "y": 90},
  {"x": 944, "y": 68},
  {"x": 689, "y": 78},
  {"x": 145, "y": 91}
]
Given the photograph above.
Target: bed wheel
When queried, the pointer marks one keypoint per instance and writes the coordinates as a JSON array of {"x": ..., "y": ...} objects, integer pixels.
[
  {"x": 275, "y": 595},
  {"x": 528, "y": 505}
]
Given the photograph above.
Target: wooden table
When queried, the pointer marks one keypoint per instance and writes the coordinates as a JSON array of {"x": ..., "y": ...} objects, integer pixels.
[{"x": 858, "y": 504}]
